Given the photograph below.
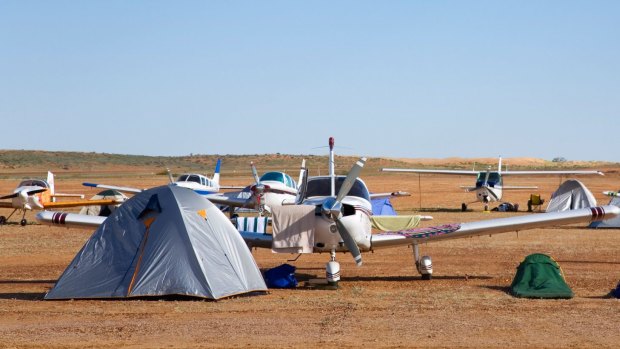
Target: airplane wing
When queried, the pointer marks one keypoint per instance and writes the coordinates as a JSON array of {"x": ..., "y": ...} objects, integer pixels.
[
  {"x": 527, "y": 173},
  {"x": 230, "y": 200},
  {"x": 393, "y": 194},
  {"x": 61, "y": 195},
  {"x": 66, "y": 204},
  {"x": 519, "y": 187},
  {"x": 69, "y": 220},
  {"x": 234, "y": 187},
  {"x": 462, "y": 230},
  {"x": 105, "y": 186},
  {"x": 448, "y": 172},
  {"x": 493, "y": 226}
]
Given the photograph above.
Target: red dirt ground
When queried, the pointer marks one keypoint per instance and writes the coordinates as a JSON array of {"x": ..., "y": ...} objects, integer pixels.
[{"x": 384, "y": 303}]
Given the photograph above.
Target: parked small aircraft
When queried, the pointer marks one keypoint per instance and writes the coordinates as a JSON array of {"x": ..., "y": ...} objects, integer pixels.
[
  {"x": 271, "y": 189},
  {"x": 341, "y": 211},
  {"x": 201, "y": 184},
  {"x": 489, "y": 184},
  {"x": 39, "y": 194}
]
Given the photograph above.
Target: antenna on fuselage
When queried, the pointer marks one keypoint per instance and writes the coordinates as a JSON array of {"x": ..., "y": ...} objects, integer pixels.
[
  {"x": 332, "y": 175},
  {"x": 499, "y": 166}
]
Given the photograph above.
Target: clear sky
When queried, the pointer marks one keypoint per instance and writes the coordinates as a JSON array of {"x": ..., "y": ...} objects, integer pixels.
[{"x": 385, "y": 78}]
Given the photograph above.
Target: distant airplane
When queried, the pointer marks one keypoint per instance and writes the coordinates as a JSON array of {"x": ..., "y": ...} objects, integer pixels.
[
  {"x": 269, "y": 190},
  {"x": 340, "y": 211},
  {"x": 201, "y": 184},
  {"x": 39, "y": 194},
  {"x": 489, "y": 184}
]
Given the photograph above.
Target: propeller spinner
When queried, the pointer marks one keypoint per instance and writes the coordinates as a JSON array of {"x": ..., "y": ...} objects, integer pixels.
[{"x": 332, "y": 209}]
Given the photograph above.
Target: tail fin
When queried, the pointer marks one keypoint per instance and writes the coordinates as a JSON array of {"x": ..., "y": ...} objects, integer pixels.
[
  {"x": 216, "y": 175},
  {"x": 50, "y": 182}
]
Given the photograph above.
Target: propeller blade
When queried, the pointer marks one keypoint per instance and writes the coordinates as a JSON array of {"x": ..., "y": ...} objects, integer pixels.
[
  {"x": 28, "y": 193},
  {"x": 351, "y": 177},
  {"x": 349, "y": 242},
  {"x": 486, "y": 178},
  {"x": 10, "y": 196},
  {"x": 169, "y": 175},
  {"x": 254, "y": 172},
  {"x": 36, "y": 191}
]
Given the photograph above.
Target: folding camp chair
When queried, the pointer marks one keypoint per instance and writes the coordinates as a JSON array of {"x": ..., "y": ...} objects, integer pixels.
[{"x": 535, "y": 202}]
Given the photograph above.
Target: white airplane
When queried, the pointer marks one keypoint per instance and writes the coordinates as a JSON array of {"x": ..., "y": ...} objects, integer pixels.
[
  {"x": 39, "y": 194},
  {"x": 342, "y": 222},
  {"x": 489, "y": 184},
  {"x": 201, "y": 184},
  {"x": 269, "y": 190},
  {"x": 274, "y": 189}
]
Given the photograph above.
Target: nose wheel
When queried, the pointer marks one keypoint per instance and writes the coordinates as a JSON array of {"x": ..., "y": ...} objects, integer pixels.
[
  {"x": 332, "y": 270},
  {"x": 423, "y": 264}
]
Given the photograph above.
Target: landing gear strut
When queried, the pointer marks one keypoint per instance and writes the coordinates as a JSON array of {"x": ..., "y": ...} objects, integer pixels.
[
  {"x": 332, "y": 270},
  {"x": 23, "y": 222},
  {"x": 3, "y": 219},
  {"x": 424, "y": 264}
]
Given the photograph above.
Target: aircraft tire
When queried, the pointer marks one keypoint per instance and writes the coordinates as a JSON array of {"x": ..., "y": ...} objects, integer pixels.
[
  {"x": 427, "y": 276},
  {"x": 463, "y": 207},
  {"x": 2, "y": 220},
  {"x": 23, "y": 222}
]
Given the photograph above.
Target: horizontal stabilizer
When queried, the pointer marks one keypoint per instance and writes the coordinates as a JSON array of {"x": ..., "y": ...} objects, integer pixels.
[{"x": 113, "y": 187}]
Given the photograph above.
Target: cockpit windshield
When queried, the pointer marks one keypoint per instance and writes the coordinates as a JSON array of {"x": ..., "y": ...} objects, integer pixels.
[
  {"x": 189, "y": 178},
  {"x": 279, "y": 177},
  {"x": 322, "y": 187},
  {"x": 33, "y": 183},
  {"x": 494, "y": 178},
  {"x": 273, "y": 176}
]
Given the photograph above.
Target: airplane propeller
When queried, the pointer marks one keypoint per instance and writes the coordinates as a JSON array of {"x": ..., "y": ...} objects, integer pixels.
[
  {"x": 486, "y": 178},
  {"x": 258, "y": 188},
  {"x": 23, "y": 193},
  {"x": 332, "y": 209}
]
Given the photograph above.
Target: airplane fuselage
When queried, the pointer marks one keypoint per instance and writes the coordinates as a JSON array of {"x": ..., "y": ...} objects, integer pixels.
[
  {"x": 29, "y": 202},
  {"x": 200, "y": 184},
  {"x": 488, "y": 187},
  {"x": 356, "y": 214}
]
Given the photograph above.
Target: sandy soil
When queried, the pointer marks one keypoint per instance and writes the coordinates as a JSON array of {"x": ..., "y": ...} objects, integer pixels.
[{"x": 384, "y": 303}]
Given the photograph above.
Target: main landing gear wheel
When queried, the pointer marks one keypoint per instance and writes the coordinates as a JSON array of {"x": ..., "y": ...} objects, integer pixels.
[
  {"x": 463, "y": 207},
  {"x": 2, "y": 220},
  {"x": 427, "y": 276},
  {"x": 23, "y": 222}
]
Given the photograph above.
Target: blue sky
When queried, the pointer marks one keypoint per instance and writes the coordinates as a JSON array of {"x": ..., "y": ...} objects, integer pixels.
[{"x": 394, "y": 78}]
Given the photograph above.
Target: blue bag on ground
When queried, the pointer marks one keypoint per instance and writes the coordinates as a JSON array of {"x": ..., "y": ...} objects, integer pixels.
[{"x": 282, "y": 276}]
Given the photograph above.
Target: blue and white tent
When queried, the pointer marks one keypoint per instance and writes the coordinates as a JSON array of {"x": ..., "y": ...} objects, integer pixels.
[{"x": 382, "y": 207}]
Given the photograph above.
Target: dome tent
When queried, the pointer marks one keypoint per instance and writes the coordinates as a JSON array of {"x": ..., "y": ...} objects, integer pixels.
[
  {"x": 571, "y": 195},
  {"x": 104, "y": 210},
  {"x": 539, "y": 276},
  {"x": 163, "y": 241}
]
